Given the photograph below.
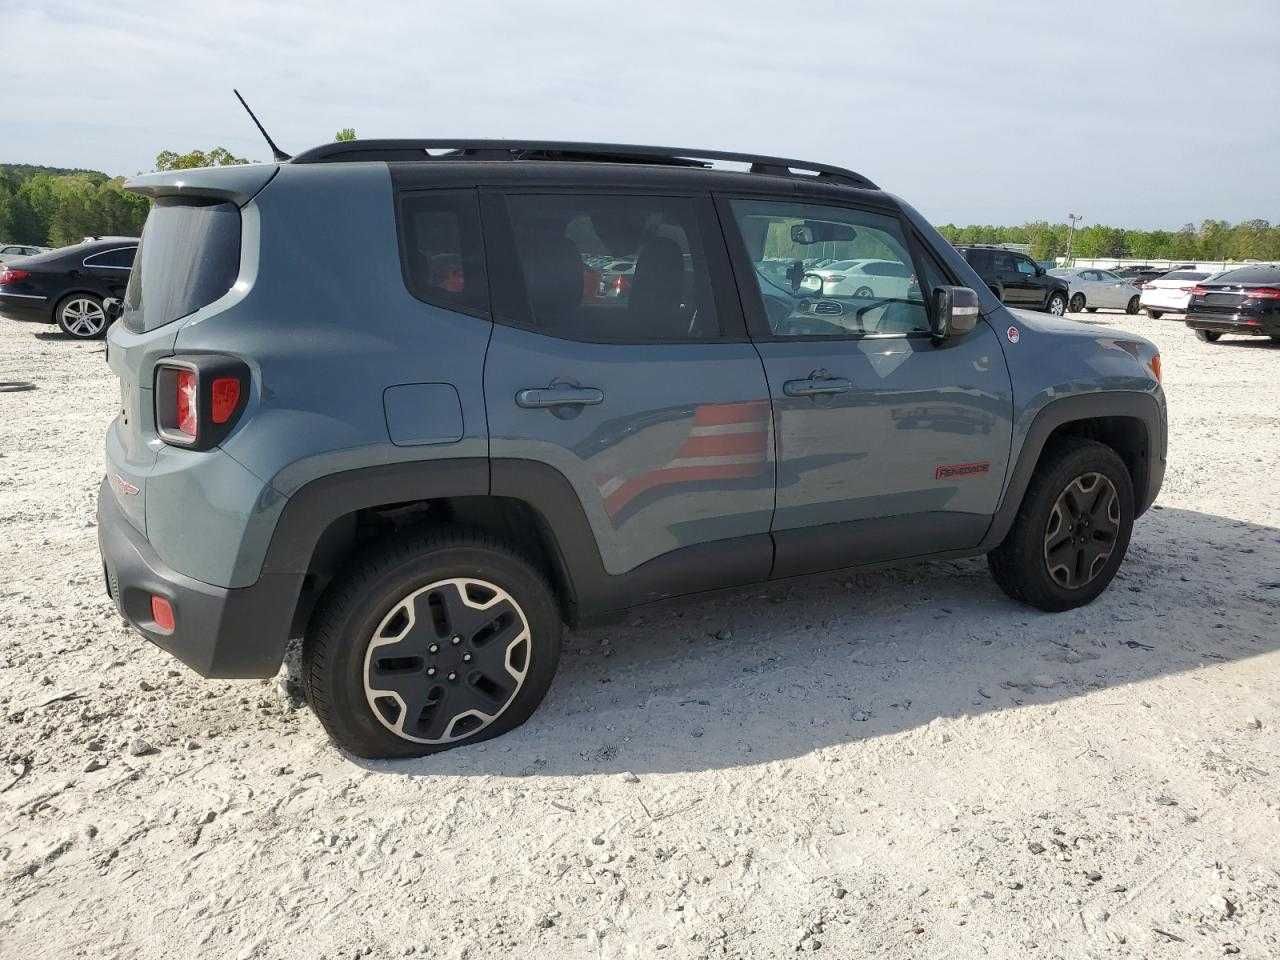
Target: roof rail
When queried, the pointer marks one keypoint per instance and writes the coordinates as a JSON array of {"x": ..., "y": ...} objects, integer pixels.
[{"x": 446, "y": 149}]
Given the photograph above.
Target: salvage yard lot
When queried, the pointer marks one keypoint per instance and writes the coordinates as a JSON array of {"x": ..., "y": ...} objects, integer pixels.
[{"x": 890, "y": 764}]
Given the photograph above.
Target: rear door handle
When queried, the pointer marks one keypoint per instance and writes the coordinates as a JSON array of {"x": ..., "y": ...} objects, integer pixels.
[
  {"x": 816, "y": 386},
  {"x": 534, "y": 398}
]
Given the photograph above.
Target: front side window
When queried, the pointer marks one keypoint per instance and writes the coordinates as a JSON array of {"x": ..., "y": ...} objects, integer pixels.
[
  {"x": 443, "y": 250},
  {"x": 610, "y": 268},
  {"x": 1025, "y": 267},
  {"x": 783, "y": 240}
]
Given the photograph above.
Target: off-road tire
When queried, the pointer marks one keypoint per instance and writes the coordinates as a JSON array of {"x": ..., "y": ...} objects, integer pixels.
[
  {"x": 361, "y": 601},
  {"x": 1019, "y": 563}
]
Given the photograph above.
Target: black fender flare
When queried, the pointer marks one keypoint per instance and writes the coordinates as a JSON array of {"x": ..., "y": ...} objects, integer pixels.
[{"x": 1130, "y": 404}]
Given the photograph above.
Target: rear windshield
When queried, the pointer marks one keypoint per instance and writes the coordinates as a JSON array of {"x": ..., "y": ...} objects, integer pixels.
[
  {"x": 189, "y": 257},
  {"x": 1259, "y": 274},
  {"x": 1184, "y": 275}
]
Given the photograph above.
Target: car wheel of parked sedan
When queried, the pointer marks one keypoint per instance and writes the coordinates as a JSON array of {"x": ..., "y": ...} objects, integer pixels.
[
  {"x": 1077, "y": 303},
  {"x": 1092, "y": 309},
  {"x": 865, "y": 293},
  {"x": 1155, "y": 314},
  {"x": 1058, "y": 304},
  {"x": 431, "y": 641},
  {"x": 1072, "y": 528},
  {"x": 82, "y": 316},
  {"x": 1132, "y": 306},
  {"x": 1207, "y": 336}
]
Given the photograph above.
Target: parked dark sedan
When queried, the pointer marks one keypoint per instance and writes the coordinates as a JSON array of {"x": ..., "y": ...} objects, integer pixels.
[
  {"x": 1245, "y": 301},
  {"x": 67, "y": 286}
]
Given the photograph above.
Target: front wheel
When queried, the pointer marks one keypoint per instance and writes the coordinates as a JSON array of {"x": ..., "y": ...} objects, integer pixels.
[
  {"x": 1077, "y": 303},
  {"x": 431, "y": 641},
  {"x": 1207, "y": 336},
  {"x": 1057, "y": 304},
  {"x": 1155, "y": 314},
  {"x": 1132, "y": 306},
  {"x": 81, "y": 316},
  {"x": 1072, "y": 528}
]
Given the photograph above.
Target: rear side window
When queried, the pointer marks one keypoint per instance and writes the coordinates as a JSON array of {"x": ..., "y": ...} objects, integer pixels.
[
  {"x": 610, "y": 268},
  {"x": 443, "y": 251},
  {"x": 188, "y": 258},
  {"x": 121, "y": 259}
]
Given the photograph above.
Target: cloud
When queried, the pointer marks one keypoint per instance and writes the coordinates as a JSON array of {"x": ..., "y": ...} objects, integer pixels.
[{"x": 984, "y": 111}]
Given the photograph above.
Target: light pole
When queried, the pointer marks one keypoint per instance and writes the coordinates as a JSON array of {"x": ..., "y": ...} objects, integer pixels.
[{"x": 1071, "y": 233}]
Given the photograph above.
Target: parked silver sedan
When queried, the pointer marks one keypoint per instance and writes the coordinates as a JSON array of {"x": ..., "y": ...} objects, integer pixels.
[{"x": 1093, "y": 289}]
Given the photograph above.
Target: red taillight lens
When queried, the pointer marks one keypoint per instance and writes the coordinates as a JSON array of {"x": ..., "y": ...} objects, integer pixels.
[
  {"x": 1263, "y": 293},
  {"x": 1157, "y": 369},
  {"x": 186, "y": 403},
  {"x": 226, "y": 394},
  {"x": 162, "y": 613},
  {"x": 1199, "y": 291},
  {"x": 13, "y": 275}
]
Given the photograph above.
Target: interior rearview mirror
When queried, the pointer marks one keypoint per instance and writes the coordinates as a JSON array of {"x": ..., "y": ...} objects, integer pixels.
[
  {"x": 955, "y": 311},
  {"x": 821, "y": 231}
]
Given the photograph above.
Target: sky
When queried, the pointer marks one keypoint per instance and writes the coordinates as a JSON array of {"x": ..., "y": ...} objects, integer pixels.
[{"x": 1127, "y": 113}]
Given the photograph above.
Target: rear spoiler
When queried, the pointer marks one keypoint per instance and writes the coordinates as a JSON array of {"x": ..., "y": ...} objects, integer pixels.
[{"x": 238, "y": 183}]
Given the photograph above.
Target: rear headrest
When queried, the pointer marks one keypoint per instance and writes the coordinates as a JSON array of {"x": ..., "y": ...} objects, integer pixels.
[{"x": 553, "y": 274}]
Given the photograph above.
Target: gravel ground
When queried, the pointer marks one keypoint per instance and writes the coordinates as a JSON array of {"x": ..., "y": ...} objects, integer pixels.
[{"x": 890, "y": 764}]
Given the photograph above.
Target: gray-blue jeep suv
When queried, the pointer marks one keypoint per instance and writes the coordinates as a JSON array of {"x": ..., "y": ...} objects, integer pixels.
[{"x": 420, "y": 403}]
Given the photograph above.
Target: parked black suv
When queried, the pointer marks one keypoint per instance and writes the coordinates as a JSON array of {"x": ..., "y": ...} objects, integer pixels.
[{"x": 1017, "y": 279}]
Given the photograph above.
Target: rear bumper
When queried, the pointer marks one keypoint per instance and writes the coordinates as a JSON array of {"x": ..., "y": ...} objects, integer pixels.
[
  {"x": 39, "y": 310},
  {"x": 1243, "y": 324},
  {"x": 218, "y": 631}
]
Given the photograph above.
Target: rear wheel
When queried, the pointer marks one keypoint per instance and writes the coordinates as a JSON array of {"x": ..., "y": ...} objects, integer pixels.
[
  {"x": 1077, "y": 303},
  {"x": 1092, "y": 309},
  {"x": 1057, "y": 304},
  {"x": 1155, "y": 314},
  {"x": 863, "y": 292},
  {"x": 82, "y": 316},
  {"x": 431, "y": 641},
  {"x": 1072, "y": 528},
  {"x": 1132, "y": 306},
  {"x": 1208, "y": 336}
]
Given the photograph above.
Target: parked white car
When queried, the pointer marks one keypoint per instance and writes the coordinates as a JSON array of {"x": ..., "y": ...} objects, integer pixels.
[
  {"x": 869, "y": 278},
  {"x": 1170, "y": 293},
  {"x": 1093, "y": 289},
  {"x": 11, "y": 251}
]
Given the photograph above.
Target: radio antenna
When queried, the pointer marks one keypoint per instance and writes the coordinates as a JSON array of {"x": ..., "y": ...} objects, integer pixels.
[{"x": 279, "y": 155}]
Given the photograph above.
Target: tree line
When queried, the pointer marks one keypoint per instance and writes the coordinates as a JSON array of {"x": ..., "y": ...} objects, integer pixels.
[
  {"x": 57, "y": 206},
  {"x": 1211, "y": 240},
  {"x": 53, "y": 206}
]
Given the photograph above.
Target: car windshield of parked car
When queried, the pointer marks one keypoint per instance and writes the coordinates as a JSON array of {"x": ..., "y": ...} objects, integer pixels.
[
  {"x": 1244, "y": 275},
  {"x": 1185, "y": 275}
]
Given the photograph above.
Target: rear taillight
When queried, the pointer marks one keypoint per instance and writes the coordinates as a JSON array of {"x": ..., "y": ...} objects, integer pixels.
[
  {"x": 198, "y": 399},
  {"x": 186, "y": 403},
  {"x": 1157, "y": 369},
  {"x": 13, "y": 275},
  {"x": 1263, "y": 293},
  {"x": 1199, "y": 291}
]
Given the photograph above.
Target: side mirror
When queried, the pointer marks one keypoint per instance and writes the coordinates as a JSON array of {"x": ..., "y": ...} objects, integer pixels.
[
  {"x": 112, "y": 308},
  {"x": 955, "y": 311}
]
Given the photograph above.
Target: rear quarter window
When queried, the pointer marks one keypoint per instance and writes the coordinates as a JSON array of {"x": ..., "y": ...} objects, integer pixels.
[
  {"x": 188, "y": 258},
  {"x": 442, "y": 250}
]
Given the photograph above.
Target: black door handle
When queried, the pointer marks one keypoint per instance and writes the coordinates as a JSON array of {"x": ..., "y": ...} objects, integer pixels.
[{"x": 536, "y": 398}]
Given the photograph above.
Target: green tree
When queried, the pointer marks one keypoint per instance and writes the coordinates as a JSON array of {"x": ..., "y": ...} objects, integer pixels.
[
  {"x": 346, "y": 133},
  {"x": 217, "y": 157}
]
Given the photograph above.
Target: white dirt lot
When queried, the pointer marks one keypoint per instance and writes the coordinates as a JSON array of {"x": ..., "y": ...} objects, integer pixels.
[{"x": 882, "y": 765}]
